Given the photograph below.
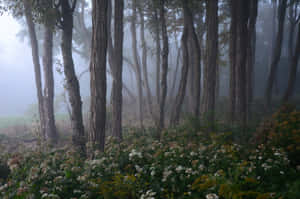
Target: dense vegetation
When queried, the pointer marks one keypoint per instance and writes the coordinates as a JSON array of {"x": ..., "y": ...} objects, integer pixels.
[{"x": 185, "y": 163}]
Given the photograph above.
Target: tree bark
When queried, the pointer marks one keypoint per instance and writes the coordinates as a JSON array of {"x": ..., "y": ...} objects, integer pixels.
[
  {"x": 293, "y": 70},
  {"x": 165, "y": 56},
  {"x": 98, "y": 72},
  {"x": 251, "y": 54},
  {"x": 118, "y": 70},
  {"x": 175, "y": 115},
  {"x": 211, "y": 61},
  {"x": 50, "y": 128},
  {"x": 72, "y": 83},
  {"x": 232, "y": 58},
  {"x": 36, "y": 64},
  {"x": 138, "y": 73},
  {"x": 158, "y": 58},
  {"x": 276, "y": 52},
  {"x": 241, "y": 56}
]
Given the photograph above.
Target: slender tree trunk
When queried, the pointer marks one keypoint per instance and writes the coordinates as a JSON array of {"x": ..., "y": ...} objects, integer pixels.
[
  {"x": 158, "y": 58},
  {"x": 293, "y": 70},
  {"x": 118, "y": 70},
  {"x": 50, "y": 128},
  {"x": 145, "y": 66},
  {"x": 175, "y": 73},
  {"x": 276, "y": 52},
  {"x": 72, "y": 83},
  {"x": 195, "y": 63},
  {"x": 98, "y": 72},
  {"x": 36, "y": 64},
  {"x": 251, "y": 54},
  {"x": 138, "y": 72},
  {"x": 232, "y": 57},
  {"x": 175, "y": 115},
  {"x": 211, "y": 57},
  {"x": 242, "y": 36},
  {"x": 165, "y": 56}
]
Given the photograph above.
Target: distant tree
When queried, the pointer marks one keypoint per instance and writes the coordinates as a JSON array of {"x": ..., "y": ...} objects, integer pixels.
[
  {"x": 276, "y": 52},
  {"x": 98, "y": 70}
]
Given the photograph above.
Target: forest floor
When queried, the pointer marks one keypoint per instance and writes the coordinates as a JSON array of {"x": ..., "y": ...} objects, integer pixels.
[{"x": 186, "y": 162}]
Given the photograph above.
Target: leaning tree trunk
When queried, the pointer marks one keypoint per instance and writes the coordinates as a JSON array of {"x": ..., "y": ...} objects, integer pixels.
[
  {"x": 211, "y": 61},
  {"x": 98, "y": 72},
  {"x": 241, "y": 56},
  {"x": 117, "y": 70},
  {"x": 36, "y": 64},
  {"x": 293, "y": 70},
  {"x": 251, "y": 55},
  {"x": 276, "y": 52},
  {"x": 232, "y": 58},
  {"x": 138, "y": 72},
  {"x": 175, "y": 115},
  {"x": 72, "y": 83},
  {"x": 50, "y": 128},
  {"x": 165, "y": 56}
]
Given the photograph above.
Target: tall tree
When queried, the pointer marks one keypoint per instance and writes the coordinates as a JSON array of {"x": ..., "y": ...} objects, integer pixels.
[
  {"x": 276, "y": 52},
  {"x": 251, "y": 53},
  {"x": 137, "y": 65},
  {"x": 72, "y": 84},
  {"x": 293, "y": 70},
  {"x": 209, "y": 82},
  {"x": 176, "y": 110},
  {"x": 117, "y": 70},
  {"x": 98, "y": 72},
  {"x": 165, "y": 56},
  {"x": 36, "y": 63},
  {"x": 241, "y": 57}
]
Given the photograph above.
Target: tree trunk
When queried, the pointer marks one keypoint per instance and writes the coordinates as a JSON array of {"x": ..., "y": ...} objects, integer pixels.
[
  {"x": 158, "y": 58},
  {"x": 293, "y": 70},
  {"x": 175, "y": 115},
  {"x": 98, "y": 72},
  {"x": 118, "y": 70},
  {"x": 211, "y": 59},
  {"x": 36, "y": 64},
  {"x": 165, "y": 56},
  {"x": 138, "y": 73},
  {"x": 50, "y": 128},
  {"x": 145, "y": 66},
  {"x": 72, "y": 83},
  {"x": 276, "y": 52},
  {"x": 251, "y": 54},
  {"x": 241, "y": 56}
]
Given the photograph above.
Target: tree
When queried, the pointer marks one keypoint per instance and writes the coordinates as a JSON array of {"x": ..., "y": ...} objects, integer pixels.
[
  {"x": 165, "y": 56},
  {"x": 209, "y": 82},
  {"x": 72, "y": 84},
  {"x": 276, "y": 52},
  {"x": 98, "y": 72},
  {"x": 117, "y": 70}
]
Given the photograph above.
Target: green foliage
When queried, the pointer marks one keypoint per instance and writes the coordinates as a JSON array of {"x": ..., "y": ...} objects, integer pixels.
[{"x": 183, "y": 164}]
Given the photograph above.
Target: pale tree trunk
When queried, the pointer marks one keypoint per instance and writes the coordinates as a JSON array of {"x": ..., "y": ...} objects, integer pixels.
[
  {"x": 50, "y": 128},
  {"x": 276, "y": 52},
  {"x": 211, "y": 61},
  {"x": 72, "y": 83},
  {"x": 251, "y": 55},
  {"x": 176, "y": 110},
  {"x": 138, "y": 72},
  {"x": 145, "y": 66},
  {"x": 232, "y": 58},
  {"x": 118, "y": 70},
  {"x": 165, "y": 56},
  {"x": 241, "y": 56},
  {"x": 293, "y": 70},
  {"x": 36, "y": 64},
  {"x": 98, "y": 72},
  {"x": 158, "y": 58}
]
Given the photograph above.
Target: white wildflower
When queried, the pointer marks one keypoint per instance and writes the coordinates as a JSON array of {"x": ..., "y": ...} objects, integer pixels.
[{"x": 212, "y": 196}]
